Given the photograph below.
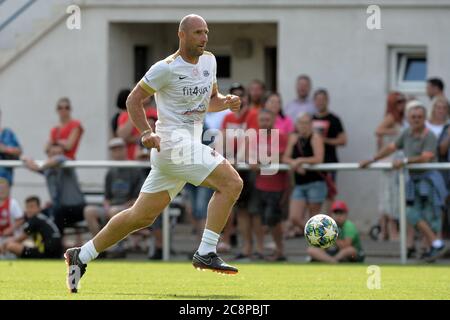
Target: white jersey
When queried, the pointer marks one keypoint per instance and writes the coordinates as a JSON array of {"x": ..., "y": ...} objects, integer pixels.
[{"x": 183, "y": 91}]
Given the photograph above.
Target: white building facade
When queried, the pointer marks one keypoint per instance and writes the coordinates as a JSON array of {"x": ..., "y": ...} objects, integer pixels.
[{"x": 273, "y": 40}]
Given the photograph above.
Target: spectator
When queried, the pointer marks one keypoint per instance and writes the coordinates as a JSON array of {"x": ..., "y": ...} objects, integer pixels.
[
  {"x": 348, "y": 245},
  {"x": 388, "y": 130},
  {"x": 444, "y": 156},
  {"x": 127, "y": 131},
  {"x": 303, "y": 103},
  {"x": 69, "y": 131},
  {"x": 122, "y": 106},
  {"x": 256, "y": 91},
  {"x": 426, "y": 192},
  {"x": 62, "y": 183},
  {"x": 435, "y": 88},
  {"x": 270, "y": 190},
  {"x": 330, "y": 127},
  {"x": 304, "y": 147},
  {"x": 9, "y": 150},
  {"x": 214, "y": 120},
  {"x": 122, "y": 187},
  {"x": 45, "y": 235},
  {"x": 282, "y": 123},
  {"x": 234, "y": 121},
  {"x": 11, "y": 215},
  {"x": 439, "y": 116}
]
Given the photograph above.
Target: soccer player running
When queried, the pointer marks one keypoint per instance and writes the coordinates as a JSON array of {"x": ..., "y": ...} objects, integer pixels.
[{"x": 185, "y": 88}]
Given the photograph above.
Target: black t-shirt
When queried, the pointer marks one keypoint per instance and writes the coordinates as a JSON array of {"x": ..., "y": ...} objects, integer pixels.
[
  {"x": 44, "y": 232},
  {"x": 303, "y": 148},
  {"x": 329, "y": 126}
]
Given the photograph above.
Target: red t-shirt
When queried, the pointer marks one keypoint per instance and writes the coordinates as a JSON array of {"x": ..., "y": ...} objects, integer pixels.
[
  {"x": 279, "y": 181},
  {"x": 123, "y": 119},
  {"x": 233, "y": 122},
  {"x": 252, "y": 118},
  {"x": 62, "y": 134},
  {"x": 5, "y": 216}
]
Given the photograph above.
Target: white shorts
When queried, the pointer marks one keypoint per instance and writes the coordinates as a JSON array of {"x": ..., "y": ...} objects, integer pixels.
[{"x": 173, "y": 167}]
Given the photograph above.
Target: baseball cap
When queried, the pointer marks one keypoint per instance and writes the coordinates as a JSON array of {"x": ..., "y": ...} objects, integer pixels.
[
  {"x": 116, "y": 142},
  {"x": 339, "y": 205}
]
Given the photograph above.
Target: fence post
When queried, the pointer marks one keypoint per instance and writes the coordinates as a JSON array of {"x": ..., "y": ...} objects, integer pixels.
[
  {"x": 166, "y": 234},
  {"x": 402, "y": 207}
]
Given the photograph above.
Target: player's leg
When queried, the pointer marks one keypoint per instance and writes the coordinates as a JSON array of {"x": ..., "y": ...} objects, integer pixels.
[
  {"x": 157, "y": 191},
  {"x": 143, "y": 213},
  {"x": 227, "y": 184}
]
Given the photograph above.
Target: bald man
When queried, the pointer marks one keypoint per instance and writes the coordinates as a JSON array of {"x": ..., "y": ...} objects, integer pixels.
[{"x": 185, "y": 87}]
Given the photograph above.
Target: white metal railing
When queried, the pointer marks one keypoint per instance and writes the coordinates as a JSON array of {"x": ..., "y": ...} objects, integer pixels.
[{"x": 281, "y": 167}]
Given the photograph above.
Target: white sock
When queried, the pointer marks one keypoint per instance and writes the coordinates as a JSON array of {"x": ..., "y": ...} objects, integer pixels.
[
  {"x": 88, "y": 252},
  {"x": 209, "y": 242},
  {"x": 437, "y": 243}
]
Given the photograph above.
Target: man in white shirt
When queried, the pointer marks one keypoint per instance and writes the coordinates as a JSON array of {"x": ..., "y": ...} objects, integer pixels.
[
  {"x": 303, "y": 103},
  {"x": 185, "y": 88}
]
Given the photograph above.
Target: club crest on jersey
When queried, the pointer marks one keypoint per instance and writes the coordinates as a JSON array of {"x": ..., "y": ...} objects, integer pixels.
[{"x": 206, "y": 73}]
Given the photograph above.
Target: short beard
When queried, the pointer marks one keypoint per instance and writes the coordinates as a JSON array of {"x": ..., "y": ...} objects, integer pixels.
[{"x": 193, "y": 52}]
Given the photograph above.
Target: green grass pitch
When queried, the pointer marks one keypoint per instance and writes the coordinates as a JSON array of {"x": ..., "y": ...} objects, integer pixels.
[{"x": 145, "y": 280}]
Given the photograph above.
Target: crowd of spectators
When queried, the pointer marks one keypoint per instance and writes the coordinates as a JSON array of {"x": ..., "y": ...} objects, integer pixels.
[{"x": 309, "y": 133}]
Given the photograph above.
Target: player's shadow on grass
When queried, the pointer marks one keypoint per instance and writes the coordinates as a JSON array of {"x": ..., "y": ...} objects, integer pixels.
[{"x": 175, "y": 296}]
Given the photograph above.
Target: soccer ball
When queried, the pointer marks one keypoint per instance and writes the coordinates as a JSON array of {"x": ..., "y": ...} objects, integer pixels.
[{"x": 321, "y": 231}]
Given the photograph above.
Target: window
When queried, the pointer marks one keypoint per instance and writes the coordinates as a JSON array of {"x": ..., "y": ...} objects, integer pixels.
[
  {"x": 223, "y": 66},
  {"x": 408, "y": 69},
  {"x": 140, "y": 62}
]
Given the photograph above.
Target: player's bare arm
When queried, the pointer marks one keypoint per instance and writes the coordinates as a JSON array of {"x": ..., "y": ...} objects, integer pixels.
[
  {"x": 220, "y": 102},
  {"x": 135, "y": 108}
]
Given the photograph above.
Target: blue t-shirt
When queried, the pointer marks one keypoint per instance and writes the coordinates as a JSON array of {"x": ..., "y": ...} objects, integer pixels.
[{"x": 9, "y": 139}]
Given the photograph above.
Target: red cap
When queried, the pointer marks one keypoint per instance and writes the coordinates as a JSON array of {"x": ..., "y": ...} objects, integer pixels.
[{"x": 339, "y": 205}]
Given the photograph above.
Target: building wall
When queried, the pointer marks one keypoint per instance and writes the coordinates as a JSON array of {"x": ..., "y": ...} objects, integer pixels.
[
  {"x": 325, "y": 39},
  {"x": 162, "y": 40},
  {"x": 63, "y": 63}
]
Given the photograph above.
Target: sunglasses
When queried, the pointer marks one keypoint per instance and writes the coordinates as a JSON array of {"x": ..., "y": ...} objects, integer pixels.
[{"x": 401, "y": 101}]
